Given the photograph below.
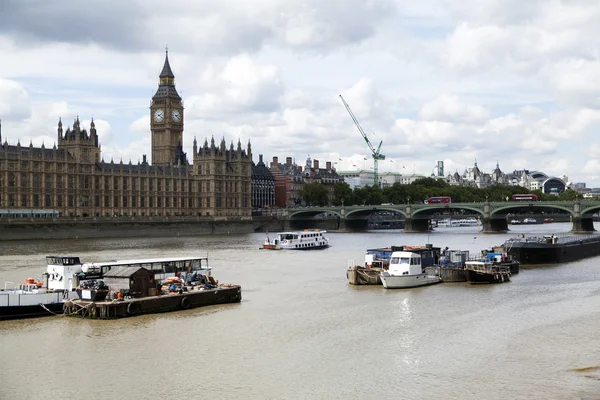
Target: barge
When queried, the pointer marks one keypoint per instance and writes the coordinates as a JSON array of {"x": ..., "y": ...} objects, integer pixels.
[
  {"x": 486, "y": 272},
  {"x": 129, "y": 288},
  {"x": 552, "y": 249},
  {"x": 174, "y": 301}
]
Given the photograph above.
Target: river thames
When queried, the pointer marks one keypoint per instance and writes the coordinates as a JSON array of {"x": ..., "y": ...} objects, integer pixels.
[{"x": 302, "y": 332}]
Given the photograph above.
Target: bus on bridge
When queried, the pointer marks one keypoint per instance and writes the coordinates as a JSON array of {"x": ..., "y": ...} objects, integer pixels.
[
  {"x": 524, "y": 197},
  {"x": 439, "y": 199}
]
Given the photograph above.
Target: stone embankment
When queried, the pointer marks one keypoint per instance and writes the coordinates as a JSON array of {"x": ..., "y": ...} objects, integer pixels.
[{"x": 118, "y": 227}]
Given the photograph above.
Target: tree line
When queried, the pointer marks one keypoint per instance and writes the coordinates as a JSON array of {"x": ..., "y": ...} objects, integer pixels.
[{"x": 317, "y": 194}]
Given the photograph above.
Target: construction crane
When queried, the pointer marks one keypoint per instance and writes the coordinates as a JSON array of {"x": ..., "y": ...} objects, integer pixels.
[{"x": 376, "y": 154}]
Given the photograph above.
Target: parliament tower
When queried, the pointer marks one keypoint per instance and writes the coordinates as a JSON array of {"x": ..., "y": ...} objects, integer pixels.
[{"x": 166, "y": 121}]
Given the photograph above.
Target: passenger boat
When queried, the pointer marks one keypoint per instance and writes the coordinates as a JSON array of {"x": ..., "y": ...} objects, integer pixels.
[
  {"x": 378, "y": 259},
  {"x": 486, "y": 272},
  {"x": 45, "y": 297},
  {"x": 405, "y": 271},
  {"x": 308, "y": 239}
]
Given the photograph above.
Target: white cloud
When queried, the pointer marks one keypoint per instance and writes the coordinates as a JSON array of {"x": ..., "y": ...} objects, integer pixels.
[
  {"x": 240, "y": 85},
  {"x": 447, "y": 107},
  {"x": 14, "y": 101},
  {"x": 503, "y": 80}
]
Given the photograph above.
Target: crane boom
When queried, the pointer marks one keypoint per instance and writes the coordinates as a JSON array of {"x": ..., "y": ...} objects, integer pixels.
[
  {"x": 362, "y": 132},
  {"x": 375, "y": 152}
]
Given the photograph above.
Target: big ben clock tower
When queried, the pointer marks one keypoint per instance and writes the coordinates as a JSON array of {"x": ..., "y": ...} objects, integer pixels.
[{"x": 166, "y": 120}]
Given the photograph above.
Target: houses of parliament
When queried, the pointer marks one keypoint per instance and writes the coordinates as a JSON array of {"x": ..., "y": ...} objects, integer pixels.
[{"x": 73, "y": 179}]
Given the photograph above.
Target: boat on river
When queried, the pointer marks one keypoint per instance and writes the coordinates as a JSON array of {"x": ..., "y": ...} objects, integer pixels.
[
  {"x": 135, "y": 287},
  {"x": 486, "y": 272},
  {"x": 378, "y": 259},
  {"x": 552, "y": 249},
  {"x": 45, "y": 297},
  {"x": 66, "y": 278},
  {"x": 405, "y": 271},
  {"x": 308, "y": 239}
]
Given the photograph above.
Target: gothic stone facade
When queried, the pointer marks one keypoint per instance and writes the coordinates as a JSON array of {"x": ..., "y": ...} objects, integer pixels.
[{"x": 74, "y": 180}]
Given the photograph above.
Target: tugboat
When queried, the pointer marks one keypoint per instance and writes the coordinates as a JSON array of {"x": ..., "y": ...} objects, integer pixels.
[{"x": 45, "y": 297}]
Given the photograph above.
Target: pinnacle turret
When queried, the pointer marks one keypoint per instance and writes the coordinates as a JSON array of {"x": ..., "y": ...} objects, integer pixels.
[{"x": 166, "y": 71}]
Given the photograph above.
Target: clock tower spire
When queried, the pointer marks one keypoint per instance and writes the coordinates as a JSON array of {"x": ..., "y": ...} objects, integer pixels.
[{"x": 166, "y": 119}]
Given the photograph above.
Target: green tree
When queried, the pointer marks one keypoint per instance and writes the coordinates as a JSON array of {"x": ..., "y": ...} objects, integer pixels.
[
  {"x": 570, "y": 195},
  {"x": 430, "y": 183},
  {"x": 315, "y": 194},
  {"x": 342, "y": 193}
]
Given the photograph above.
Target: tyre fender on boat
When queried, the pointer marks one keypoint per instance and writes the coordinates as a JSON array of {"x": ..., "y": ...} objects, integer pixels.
[
  {"x": 185, "y": 303},
  {"x": 133, "y": 308}
]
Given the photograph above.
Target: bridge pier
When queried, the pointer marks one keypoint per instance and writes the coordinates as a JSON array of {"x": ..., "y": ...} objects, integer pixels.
[
  {"x": 583, "y": 225},
  {"x": 341, "y": 226},
  {"x": 490, "y": 225},
  {"x": 416, "y": 225}
]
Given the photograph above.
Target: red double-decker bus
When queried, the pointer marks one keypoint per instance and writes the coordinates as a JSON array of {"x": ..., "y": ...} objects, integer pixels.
[
  {"x": 440, "y": 199},
  {"x": 524, "y": 197}
]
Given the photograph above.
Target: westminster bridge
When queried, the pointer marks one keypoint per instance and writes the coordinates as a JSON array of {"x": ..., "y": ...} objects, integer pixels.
[{"x": 417, "y": 217}]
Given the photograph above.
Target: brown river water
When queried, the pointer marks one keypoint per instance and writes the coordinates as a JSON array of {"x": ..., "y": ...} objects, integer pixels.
[{"x": 301, "y": 332}]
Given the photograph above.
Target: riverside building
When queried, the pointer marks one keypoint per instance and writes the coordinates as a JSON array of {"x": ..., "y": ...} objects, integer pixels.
[{"x": 73, "y": 179}]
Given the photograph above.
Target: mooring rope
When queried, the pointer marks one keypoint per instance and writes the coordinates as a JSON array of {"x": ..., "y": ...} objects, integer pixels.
[{"x": 46, "y": 308}]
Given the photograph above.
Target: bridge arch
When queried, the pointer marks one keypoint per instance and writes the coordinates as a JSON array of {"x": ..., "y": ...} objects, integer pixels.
[
  {"x": 590, "y": 210},
  {"x": 417, "y": 213},
  {"x": 516, "y": 206},
  {"x": 297, "y": 213},
  {"x": 367, "y": 211}
]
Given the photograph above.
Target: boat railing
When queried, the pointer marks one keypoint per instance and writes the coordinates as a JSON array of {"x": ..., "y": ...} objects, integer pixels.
[
  {"x": 488, "y": 268},
  {"x": 14, "y": 285},
  {"x": 562, "y": 238}
]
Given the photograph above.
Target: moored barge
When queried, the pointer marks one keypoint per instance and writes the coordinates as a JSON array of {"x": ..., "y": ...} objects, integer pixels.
[
  {"x": 552, "y": 249},
  {"x": 175, "y": 301},
  {"x": 486, "y": 272},
  {"x": 129, "y": 288}
]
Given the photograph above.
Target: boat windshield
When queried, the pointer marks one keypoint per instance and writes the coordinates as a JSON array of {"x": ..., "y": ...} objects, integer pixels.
[
  {"x": 379, "y": 254},
  {"x": 400, "y": 260}
]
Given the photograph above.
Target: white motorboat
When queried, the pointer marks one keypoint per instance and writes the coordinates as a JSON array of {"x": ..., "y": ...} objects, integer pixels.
[
  {"x": 405, "y": 271},
  {"x": 308, "y": 239}
]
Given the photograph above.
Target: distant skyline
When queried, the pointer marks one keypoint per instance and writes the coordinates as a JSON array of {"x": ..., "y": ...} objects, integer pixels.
[{"x": 457, "y": 81}]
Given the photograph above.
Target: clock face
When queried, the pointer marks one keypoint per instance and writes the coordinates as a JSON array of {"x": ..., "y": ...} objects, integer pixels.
[
  {"x": 159, "y": 115},
  {"x": 176, "y": 114}
]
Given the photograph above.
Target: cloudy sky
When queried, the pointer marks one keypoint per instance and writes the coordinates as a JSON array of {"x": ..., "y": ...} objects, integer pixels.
[{"x": 512, "y": 81}]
